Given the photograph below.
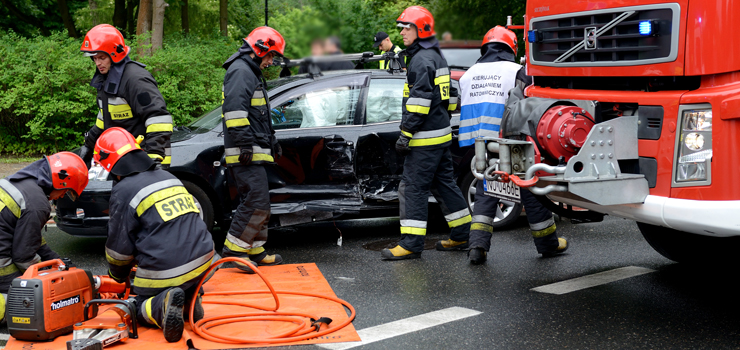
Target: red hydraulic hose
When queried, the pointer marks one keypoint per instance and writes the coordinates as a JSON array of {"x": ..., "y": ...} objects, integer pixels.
[{"x": 304, "y": 329}]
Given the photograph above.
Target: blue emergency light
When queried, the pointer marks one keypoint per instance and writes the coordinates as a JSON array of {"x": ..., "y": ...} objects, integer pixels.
[
  {"x": 646, "y": 28},
  {"x": 532, "y": 36}
]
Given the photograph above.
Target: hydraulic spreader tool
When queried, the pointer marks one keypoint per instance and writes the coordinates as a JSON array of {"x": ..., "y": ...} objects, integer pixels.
[{"x": 53, "y": 298}]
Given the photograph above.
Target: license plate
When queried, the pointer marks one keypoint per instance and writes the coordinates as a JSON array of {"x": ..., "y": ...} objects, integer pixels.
[{"x": 506, "y": 191}]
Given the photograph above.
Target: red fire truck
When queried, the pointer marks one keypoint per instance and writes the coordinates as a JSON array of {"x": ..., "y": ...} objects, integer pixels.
[{"x": 620, "y": 119}]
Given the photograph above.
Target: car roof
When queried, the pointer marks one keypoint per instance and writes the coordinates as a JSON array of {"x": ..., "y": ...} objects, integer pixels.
[
  {"x": 279, "y": 85},
  {"x": 460, "y": 44}
]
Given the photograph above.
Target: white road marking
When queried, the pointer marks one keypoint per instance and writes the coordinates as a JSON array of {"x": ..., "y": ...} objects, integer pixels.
[
  {"x": 589, "y": 281},
  {"x": 4, "y": 336},
  {"x": 404, "y": 326}
]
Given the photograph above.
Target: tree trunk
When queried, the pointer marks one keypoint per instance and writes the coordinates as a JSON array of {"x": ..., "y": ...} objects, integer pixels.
[
  {"x": 185, "y": 19},
  {"x": 93, "y": 11},
  {"x": 68, "y": 23},
  {"x": 224, "y": 17},
  {"x": 144, "y": 25},
  {"x": 28, "y": 19},
  {"x": 130, "y": 4},
  {"x": 119, "y": 15},
  {"x": 158, "y": 24}
]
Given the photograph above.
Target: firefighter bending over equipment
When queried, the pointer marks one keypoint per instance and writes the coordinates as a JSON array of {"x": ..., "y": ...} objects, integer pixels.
[
  {"x": 250, "y": 143},
  {"x": 128, "y": 96},
  {"x": 426, "y": 135},
  {"x": 480, "y": 116},
  {"x": 154, "y": 223},
  {"x": 24, "y": 210}
]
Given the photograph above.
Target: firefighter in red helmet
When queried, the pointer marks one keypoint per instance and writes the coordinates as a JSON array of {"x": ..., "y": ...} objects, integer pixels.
[
  {"x": 154, "y": 224},
  {"x": 128, "y": 96},
  {"x": 24, "y": 210},
  {"x": 250, "y": 144},
  {"x": 428, "y": 97}
]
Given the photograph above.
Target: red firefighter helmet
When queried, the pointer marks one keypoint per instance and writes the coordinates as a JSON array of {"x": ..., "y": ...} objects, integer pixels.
[
  {"x": 112, "y": 145},
  {"x": 421, "y": 18},
  {"x": 68, "y": 172},
  {"x": 105, "y": 38},
  {"x": 499, "y": 34},
  {"x": 264, "y": 39}
]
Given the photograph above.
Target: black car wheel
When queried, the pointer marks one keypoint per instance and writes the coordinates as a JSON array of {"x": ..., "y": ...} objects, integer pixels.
[
  {"x": 689, "y": 248},
  {"x": 507, "y": 212},
  {"x": 202, "y": 202}
]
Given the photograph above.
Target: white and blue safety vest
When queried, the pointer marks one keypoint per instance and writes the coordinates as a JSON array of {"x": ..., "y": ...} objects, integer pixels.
[{"x": 484, "y": 89}]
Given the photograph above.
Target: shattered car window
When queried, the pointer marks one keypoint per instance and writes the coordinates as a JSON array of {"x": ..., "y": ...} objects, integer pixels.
[
  {"x": 384, "y": 100},
  {"x": 327, "y": 107}
]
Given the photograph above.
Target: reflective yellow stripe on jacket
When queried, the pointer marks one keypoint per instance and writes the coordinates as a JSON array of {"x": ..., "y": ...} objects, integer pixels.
[
  {"x": 11, "y": 198},
  {"x": 431, "y": 138},
  {"x": 259, "y": 154}
]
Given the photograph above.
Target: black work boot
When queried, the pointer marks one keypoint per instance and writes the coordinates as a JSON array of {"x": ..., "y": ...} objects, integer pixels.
[
  {"x": 562, "y": 247},
  {"x": 263, "y": 259},
  {"x": 477, "y": 256},
  {"x": 398, "y": 253},
  {"x": 239, "y": 265},
  {"x": 450, "y": 245},
  {"x": 172, "y": 321}
]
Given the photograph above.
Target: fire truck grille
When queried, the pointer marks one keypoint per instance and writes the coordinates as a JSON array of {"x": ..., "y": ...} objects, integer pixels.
[{"x": 614, "y": 37}]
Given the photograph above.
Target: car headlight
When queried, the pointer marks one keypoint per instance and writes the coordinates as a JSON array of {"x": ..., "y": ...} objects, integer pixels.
[
  {"x": 97, "y": 173},
  {"x": 695, "y": 147}
]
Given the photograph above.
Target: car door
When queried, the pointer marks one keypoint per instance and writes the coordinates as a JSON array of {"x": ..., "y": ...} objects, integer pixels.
[
  {"x": 317, "y": 125},
  {"x": 378, "y": 166}
]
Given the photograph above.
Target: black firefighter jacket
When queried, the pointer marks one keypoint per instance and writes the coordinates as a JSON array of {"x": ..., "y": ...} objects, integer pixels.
[
  {"x": 246, "y": 112},
  {"x": 24, "y": 210},
  {"x": 428, "y": 95},
  {"x": 128, "y": 97},
  {"x": 154, "y": 223}
]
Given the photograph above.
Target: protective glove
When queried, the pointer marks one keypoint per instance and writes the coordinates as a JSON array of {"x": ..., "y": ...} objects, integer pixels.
[
  {"x": 278, "y": 152},
  {"x": 402, "y": 145},
  {"x": 86, "y": 155},
  {"x": 245, "y": 157}
]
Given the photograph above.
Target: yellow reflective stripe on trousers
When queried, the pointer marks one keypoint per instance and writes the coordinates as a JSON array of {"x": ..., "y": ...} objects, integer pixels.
[
  {"x": 172, "y": 282},
  {"x": 148, "y": 311},
  {"x": 413, "y": 231},
  {"x": 116, "y": 262},
  {"x": 461, "y": 221},
  {"x": 155, "y": 197},
  {"x": 233, "y": 247},
  {"x": 477, "y": 226},
  {"x": 545, "y": 232}
]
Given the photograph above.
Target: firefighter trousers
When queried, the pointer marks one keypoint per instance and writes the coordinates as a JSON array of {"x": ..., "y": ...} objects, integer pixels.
[
  {"x": 151, "y": 307},
  {"x": 540, "y": 221},
  {"x": 428, "y": 171},
  {"x": 248, "y": 231}
]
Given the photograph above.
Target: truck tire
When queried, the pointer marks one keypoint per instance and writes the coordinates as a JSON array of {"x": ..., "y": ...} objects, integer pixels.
[
  {"x": 509, "y": 210},
  {"x": 689, "y": 248},
  {"x": 202, "y": 202}
]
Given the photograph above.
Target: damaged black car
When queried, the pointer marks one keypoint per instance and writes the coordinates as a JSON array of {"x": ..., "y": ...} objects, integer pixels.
[{"x": 337, "y": 132}]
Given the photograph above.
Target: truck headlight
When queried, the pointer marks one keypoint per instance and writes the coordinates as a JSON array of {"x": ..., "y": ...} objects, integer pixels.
[{"x": 695, "y": 147}]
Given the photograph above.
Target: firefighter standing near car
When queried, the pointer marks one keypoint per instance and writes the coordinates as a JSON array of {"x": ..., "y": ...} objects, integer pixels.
[
  {"x": 128, "y": 96},
  {"x": 25, "y": 209},
  {"x": 425, "y": 139},
  {"x": 154, "y": 224},
  {"x": 250, "y": 144},
  {"x": 383, "y": 42},
  {"x": 484, "y": 89}
]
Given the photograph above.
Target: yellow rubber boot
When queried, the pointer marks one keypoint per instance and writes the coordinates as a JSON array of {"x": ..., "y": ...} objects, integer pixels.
[
  {"x": 449, "y": 245},
  {"x": 398, "y": 253}
]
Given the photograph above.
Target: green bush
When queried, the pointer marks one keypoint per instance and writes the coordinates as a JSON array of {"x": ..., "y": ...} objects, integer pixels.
[{"x": 47, "y": 104}]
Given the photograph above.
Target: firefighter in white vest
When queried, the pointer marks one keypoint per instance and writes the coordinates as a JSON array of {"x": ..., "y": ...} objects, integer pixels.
[{"x": 484, "y": 90}]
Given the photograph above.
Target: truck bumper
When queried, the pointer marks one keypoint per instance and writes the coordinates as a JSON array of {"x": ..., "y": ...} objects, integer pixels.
[{"x": 708, "y": 218}]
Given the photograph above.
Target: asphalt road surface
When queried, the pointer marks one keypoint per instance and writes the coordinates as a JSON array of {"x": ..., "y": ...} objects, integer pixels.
[{"x": 636, "y": 300}]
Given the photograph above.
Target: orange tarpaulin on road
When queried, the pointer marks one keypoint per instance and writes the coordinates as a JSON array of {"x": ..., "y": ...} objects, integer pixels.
[{"x": 295, "y": 277}]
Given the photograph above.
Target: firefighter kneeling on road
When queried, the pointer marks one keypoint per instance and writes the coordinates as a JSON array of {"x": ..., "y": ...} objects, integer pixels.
[
  {"x": 128, "y": 96},
  {"x": 425, "y": 139},
  {"x": 480, "y": 116},
  {"x": 24, "y": 210},
  {"x": 250, "y": 144},
  {"x": 155, "y": 225}
]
